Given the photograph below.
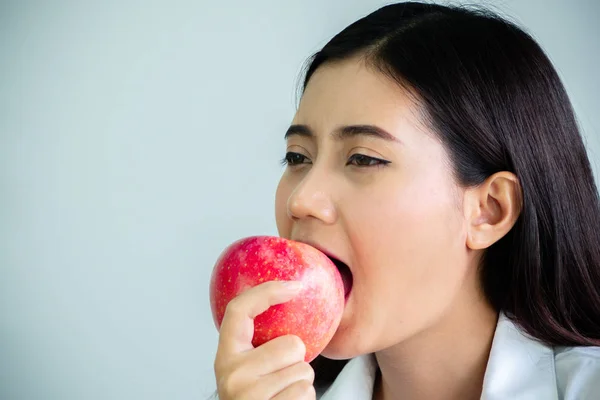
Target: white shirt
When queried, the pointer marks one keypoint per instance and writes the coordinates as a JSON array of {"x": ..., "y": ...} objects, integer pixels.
[{"x": 519, "y": 368}]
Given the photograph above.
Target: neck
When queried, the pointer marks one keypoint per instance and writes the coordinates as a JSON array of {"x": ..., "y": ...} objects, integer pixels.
[{"x": 447, "y": 361}]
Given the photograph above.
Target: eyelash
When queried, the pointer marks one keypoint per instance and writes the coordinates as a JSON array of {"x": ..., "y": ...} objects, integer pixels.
[{"x": 368, "y": 161}]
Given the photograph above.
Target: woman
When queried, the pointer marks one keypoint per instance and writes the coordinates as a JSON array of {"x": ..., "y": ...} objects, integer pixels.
[{"x": 436, "y": 155}]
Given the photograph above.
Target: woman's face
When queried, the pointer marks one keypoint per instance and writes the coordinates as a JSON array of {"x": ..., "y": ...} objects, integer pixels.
[{"x": 369, "y": 185}]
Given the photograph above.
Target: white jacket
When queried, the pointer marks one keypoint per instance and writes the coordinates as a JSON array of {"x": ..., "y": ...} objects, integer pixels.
[{"x": 519, "y": 368}]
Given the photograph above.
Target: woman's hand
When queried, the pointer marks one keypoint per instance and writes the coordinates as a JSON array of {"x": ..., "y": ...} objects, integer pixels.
[{"x": 275, "y": 370}]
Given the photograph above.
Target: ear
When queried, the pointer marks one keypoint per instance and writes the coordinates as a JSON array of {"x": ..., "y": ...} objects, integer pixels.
[{"x": 491, "y": 209}]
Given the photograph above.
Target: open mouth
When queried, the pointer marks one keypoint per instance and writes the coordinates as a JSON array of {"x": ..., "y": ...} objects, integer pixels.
[{"x": 346, "y": 275}]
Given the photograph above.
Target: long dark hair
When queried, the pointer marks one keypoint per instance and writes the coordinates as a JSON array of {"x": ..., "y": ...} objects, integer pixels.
[{"x": 497, "y": 104}]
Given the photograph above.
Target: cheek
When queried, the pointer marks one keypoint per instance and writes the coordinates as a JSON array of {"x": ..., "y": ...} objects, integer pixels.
[
  {"x": 410, "y": 248},
  {"x": 411, "y": 220}
]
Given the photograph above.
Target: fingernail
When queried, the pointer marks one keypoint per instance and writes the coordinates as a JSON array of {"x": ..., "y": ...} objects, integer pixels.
[{"x": 293, "y": 286}]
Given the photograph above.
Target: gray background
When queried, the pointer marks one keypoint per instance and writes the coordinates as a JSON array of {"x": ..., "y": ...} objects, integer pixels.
[{"x": 137, "y": 140}]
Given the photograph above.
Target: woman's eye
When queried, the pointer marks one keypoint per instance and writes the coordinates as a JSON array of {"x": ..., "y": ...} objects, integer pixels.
[
  {"x": 360, "y": 160},
  {"x": 292, "y": 158}
]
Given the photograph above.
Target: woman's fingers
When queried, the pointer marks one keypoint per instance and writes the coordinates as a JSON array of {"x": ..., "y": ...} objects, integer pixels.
[
  {"x": 276, "y": 354},
  {"x": 272, "y": 369},
  {"x": 301, "y": 390},
  {"x": 271, "y": 385},
  {"x": 237, "y": 327}
]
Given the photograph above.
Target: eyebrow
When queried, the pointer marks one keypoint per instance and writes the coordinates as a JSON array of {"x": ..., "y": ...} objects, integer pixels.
[{"x": 344, "y": 132}]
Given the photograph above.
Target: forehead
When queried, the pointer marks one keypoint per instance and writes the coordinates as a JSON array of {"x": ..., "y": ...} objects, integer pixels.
[{"x": 351, "y": 92}]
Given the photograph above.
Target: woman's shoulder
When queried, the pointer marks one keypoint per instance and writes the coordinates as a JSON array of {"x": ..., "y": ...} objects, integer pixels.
[{"x": 577, "y": 371}]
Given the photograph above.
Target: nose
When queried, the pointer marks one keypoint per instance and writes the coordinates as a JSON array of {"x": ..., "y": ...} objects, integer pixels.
[{"x": 312, "y": 198}]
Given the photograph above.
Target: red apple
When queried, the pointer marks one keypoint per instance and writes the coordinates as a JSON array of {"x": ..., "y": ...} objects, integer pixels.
[{"x": 313, "y": 315}]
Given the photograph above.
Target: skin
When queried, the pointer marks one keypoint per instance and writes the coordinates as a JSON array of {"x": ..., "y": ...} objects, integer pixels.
[{"x": 390, "y": 208}]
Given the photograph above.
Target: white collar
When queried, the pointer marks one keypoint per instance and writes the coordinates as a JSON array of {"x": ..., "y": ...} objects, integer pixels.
[
  {"x": 518, "y": 368},
  {"x": 355, "y": 381}
]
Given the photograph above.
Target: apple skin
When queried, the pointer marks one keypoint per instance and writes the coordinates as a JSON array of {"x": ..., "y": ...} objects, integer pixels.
[{"x": 313, "y": 315}]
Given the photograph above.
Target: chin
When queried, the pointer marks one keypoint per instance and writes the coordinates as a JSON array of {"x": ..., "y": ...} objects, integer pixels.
[
  {"x": 336, "y": 355},
  {"x": 343, "y": 346}
]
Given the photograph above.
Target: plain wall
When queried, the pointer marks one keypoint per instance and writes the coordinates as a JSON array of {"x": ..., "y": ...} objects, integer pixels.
[{"x": 137, "y": 140}]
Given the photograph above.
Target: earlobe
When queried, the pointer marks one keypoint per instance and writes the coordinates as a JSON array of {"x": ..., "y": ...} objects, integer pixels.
[{"x": 492, "y": 209}]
